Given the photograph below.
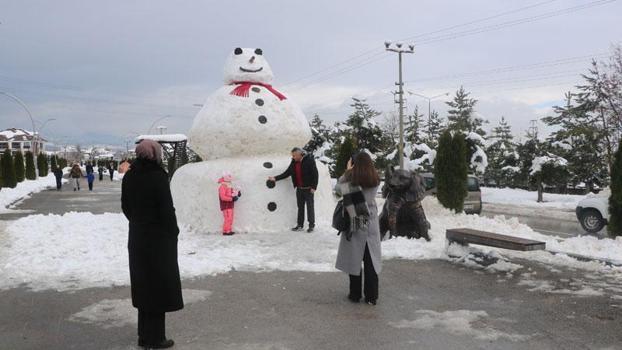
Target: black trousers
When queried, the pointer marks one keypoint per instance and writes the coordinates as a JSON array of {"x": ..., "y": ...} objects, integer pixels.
[
  {"x": 101, "y": 176},
  {"x": 90, "y": 185},
  {"x": 305, "y": 197},
  {"x": 111, "y": 175},
  {"x": 371, "y": 280},
  {"x": 59, "y": 183},
  {"x": 151, "y": 327}
]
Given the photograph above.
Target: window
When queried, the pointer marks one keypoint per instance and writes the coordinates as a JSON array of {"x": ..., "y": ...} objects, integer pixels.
[
  {"x": 3, "y": 145},
  {"x": 472, "y": 184},
  {"x": 16, "y": 145},
  {"x": 26, "y": 144}
]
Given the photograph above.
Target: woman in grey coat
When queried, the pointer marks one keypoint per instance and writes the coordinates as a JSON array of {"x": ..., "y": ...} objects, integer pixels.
[{"x": 358, "y": 187}]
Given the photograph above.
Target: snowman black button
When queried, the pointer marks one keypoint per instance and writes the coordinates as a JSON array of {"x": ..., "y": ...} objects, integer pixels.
[
  {"x": 259, "y": 102},
  {"x": 267, "y": 165},
  {"x": 272, "y": 206},
  {"x": 270, "y": 184},
  {"x": 262, "y": 119}
]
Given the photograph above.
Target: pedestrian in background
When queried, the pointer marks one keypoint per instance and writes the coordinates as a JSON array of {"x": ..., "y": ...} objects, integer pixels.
[
  {"x": 111, "y": 170},
  {"x": 100, "y": 170},
  {"x": 361, "y": 244},
  {"x": 75, "y": 174},
  {"x": 152, "y": 244},
  {"x": 58, "y": 174}
]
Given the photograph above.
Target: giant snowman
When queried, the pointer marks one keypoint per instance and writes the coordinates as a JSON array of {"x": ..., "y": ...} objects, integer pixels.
[{"x": 247, "y": 129}]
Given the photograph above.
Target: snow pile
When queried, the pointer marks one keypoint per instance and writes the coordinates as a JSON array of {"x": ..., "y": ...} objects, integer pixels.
[
  {"x": 36, "y": 250},
  {"x": 459, "y": 322},
  {"x": 523, "y": 198},
  {"x": 23, "y": 190},
  {"x": 479, "y": 160},
  {"x": 162, "y": 138}
]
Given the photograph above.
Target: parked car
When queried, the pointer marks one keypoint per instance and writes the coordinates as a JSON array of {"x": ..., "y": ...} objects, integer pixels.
[
  {"x": 473, "y": 200},
  {"x": 593, "y": 212}
]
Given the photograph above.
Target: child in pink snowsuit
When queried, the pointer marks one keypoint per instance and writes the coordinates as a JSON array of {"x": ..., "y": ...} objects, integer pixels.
[{"x": 228, "y": 195}]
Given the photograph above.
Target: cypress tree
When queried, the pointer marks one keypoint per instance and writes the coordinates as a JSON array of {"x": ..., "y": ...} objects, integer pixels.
[
  {"x": 53, "y": 162},
  {"x": 30, "y": 166},
  {"x": 8, "y": 170},
  {"x": 41, "y": 164},
  {"x": 450, "y": 171},
  {"x": 346, "y": 150},
  {"x": 20, "y": 171},
  {"x": 615, "y": 199}
]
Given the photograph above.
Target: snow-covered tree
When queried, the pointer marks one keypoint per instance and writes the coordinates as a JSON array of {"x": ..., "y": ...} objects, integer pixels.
[
  {"x": 548, "y": 169},
  {"x": 502, "y": 156},
  {"x": 365, "y": 133},
  {"x": 413, "y": 127},
  {"x": 461, "y": 115},
  {"x": 433, "y": 127},
  {"x": 320, "y": 134}
]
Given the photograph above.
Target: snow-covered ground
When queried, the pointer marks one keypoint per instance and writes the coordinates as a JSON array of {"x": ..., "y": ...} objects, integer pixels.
[
  {"x": 523, "y": 198},
  {"x": 81, "y": 250},
  {"x": 24, "y": 189}
]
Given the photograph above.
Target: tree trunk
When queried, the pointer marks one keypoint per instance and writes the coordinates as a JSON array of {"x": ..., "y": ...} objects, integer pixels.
[{"x": 540, "y": 190}]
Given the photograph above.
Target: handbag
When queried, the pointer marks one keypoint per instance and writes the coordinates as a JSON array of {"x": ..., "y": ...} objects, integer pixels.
[{"x": 341, "y": 218}]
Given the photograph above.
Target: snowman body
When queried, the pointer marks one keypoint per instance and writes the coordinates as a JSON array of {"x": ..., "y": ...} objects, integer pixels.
[{"x": 247, "y": 129}]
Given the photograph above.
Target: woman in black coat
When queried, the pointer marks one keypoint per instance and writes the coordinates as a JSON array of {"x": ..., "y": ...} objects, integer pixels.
[{"x": 152, "y": 244}]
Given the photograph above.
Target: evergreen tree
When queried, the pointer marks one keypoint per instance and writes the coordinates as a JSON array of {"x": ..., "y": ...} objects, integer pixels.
[
  {"x": 364, "y": 131},
  {"x": 615, "y": 199},
  {"x": 450, "y": 171},
  {"x": 40, "y": 165},
  {"x": 502, "y": 156},
  {"x": 579, "y": 138},
  {"x": 320, "y": 134},
  {"x": 8, "y": 170},
  {"x": 413, "y": 127},
  {"x": 30, "y": 166},
  {"x": 347, "y": 148},
  {"x": 460, "y": 116},
  {"x": 54, "y": 162},
  {"x": 433, "y": 127},
  {"x": 20, "y": 170}
]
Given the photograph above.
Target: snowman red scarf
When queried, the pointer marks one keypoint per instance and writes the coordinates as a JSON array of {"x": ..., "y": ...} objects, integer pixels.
[{"x": 243, "y": 86}]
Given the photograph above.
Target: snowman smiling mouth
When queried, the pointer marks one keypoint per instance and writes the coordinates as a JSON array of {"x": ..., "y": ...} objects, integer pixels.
[{"x": 245, "y": 70}]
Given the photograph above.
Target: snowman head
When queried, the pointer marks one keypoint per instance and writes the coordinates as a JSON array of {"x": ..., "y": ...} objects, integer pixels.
[{"x": 247, "y": 65}]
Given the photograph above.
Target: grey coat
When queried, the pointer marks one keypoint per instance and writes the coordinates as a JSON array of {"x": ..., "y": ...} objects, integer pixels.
[{"x": 350, "y": 254}]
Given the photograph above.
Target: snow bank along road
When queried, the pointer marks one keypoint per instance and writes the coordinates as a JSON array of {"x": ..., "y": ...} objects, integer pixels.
[
  {"x": 556, "y": 216},
  {"x": 71, "y": 267}
]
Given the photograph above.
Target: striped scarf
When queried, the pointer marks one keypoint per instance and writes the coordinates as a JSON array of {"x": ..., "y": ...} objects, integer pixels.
[{"x": 355, "y": 204}]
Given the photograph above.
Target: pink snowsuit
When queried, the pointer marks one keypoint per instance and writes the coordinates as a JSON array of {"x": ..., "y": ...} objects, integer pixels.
[{"x": 226, "y": 195}]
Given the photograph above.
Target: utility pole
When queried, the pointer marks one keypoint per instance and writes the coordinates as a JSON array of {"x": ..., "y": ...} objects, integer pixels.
[{"x": 400, "y": 92}]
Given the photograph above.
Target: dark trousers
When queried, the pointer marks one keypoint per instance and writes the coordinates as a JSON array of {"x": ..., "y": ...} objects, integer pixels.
[
  {"x": 305, "y": 197},
  {"x": 111, "y": 174},
  {"x": 151, "y": 327},
  {"x": 371, "y": 280},
  {"x": 59, "y": 183},
  {"x": 90, "y": 185},
  {"x": 101, "y": 176}
]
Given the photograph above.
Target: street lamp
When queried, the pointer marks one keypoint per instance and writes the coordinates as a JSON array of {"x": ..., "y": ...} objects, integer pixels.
[
  {"x": 23, "y": 105},
  {"x": 157, "y": 120},
  {"x": 429, "y": 105},
  {"x": 399, "y": 49}
]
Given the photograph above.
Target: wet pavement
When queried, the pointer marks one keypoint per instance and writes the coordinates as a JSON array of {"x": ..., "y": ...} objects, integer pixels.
[{"x": 430, "y": 304}]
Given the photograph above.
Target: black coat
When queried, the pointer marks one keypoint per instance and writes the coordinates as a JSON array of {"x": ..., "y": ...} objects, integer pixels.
[
  {"x": 152, "y": 244},
  {"x": 309, "y": 172}
]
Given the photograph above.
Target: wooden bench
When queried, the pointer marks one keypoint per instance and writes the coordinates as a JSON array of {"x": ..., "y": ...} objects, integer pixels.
[{"x": 464, "y": 236}]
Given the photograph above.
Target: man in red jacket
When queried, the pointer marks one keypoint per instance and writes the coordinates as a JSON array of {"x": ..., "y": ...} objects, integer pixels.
[{"x": 304, "y": 176}]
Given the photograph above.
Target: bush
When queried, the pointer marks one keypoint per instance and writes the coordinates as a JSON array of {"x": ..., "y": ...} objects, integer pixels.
[
  {"x": 8, "y": 170},
  {"x": 20, "y": 170},
  {"x": 42, "y": 164},
  {"x": 615, "y": 199},
  {"x": 450, "y": 171},
  {"x": 30, "y": 166}
]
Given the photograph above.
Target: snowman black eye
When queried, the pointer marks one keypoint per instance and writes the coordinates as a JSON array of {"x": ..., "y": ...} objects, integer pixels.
[
  {"x": 258, "y": 52},
  {"x": 237, "y": 51}
]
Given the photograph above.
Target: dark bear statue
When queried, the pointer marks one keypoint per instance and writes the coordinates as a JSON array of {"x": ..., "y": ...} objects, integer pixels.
[{"x": 402, "y": 213}]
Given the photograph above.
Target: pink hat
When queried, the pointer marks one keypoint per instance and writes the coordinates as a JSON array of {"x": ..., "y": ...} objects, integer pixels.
[{"x": 225, "y": 178}]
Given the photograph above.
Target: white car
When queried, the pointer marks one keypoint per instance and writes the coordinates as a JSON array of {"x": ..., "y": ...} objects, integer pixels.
[{"x": 593, "y": 211}]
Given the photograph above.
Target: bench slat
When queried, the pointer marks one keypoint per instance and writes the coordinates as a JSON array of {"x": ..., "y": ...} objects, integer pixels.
[{"x": 466, "y": 236}]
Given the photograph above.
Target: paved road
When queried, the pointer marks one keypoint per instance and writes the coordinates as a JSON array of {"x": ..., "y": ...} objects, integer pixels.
[
  {"x": 433, "y": 304},
  {"x": 550, "y": 222}
]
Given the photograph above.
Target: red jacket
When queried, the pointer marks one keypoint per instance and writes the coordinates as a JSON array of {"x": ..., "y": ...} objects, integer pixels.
[{"x": 226, "y": 194}]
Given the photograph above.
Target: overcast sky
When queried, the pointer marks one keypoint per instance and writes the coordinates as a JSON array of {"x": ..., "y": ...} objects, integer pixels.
[{"x": 108, "y": 69}]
